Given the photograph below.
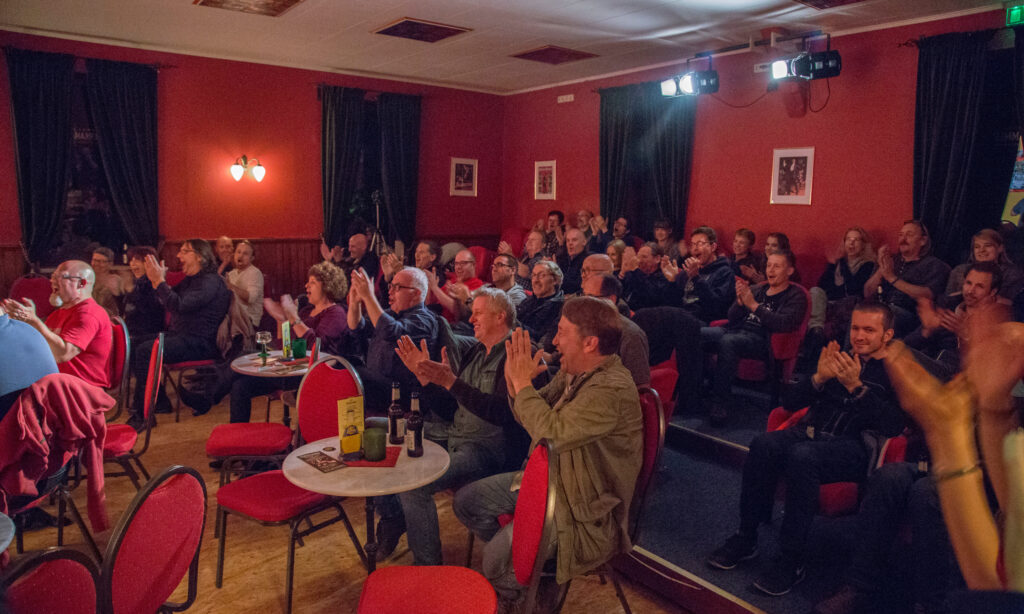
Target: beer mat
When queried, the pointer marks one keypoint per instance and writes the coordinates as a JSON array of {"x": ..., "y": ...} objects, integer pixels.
[
  {"x": 322, "y": 462},
  {"x": 390, "y": 458}
]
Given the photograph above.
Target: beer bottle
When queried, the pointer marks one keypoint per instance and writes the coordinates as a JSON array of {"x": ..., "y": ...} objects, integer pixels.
[
  {"x": 414, "y": 428},
  {"x": 396, "y": 418}
]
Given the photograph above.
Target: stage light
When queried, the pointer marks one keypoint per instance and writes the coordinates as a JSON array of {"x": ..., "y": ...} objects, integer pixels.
[
  {"x": 818, "y": 65},
  {"x": 692, "y": 82}
]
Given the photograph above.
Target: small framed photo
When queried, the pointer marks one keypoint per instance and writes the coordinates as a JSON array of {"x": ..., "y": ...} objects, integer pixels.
[
  {"x": 463, "y": 178},
  {"x": 544, "y": 180},
  {"x": 792, "y": 175}
]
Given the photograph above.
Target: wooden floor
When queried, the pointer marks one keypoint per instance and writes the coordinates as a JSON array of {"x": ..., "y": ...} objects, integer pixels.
[{"x": 328, "y": 574}]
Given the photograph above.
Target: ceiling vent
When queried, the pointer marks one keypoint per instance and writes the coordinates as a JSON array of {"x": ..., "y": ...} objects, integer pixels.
[
  {"x": 551, "y": 54},
  {"x": 821, "y": 5},
  {"x": 270, "y": 8},
  {"x": 419, "y": 30}
]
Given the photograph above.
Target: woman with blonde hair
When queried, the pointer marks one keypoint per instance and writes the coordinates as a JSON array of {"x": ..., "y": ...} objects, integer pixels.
[
  {"x": 615, "y": 250},
  {"x": 987, "y": 246},
  {"x": 839, "y": 288}
]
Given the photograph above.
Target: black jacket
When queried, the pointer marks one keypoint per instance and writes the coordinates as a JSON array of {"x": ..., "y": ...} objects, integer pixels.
[{"x": 712, "y": 292}]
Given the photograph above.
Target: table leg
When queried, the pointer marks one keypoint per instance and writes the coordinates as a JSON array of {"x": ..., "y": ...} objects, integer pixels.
[
  {"x": 371, "y": 537},
  {"x": 287, "y": 420}
]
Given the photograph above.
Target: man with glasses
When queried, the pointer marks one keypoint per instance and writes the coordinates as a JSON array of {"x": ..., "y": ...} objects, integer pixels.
[
  {"x": 503, "y": 277},
  {"x": 643, "y": 283},
  {"x": 78, "y": 331},
  {"x": 706, "y": 277},
  {"x": 539, "y": 313},
  {"x": 109, "y": 286},
  {"x": 455, "y": 294}
]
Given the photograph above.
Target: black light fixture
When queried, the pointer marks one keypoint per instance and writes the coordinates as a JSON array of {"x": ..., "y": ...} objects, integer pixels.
[
  {"x": 809, "y": 65},
  {"x": 691, "y": 83}
]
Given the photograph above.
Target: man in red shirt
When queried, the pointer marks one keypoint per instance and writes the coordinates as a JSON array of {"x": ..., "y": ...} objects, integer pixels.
[
  {"x": 455, "y": 295},
  {"x": 78, "y": 332}
]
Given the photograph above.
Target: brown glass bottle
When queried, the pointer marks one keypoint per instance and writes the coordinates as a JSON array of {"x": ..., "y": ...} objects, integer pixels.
[
  {"x": 396, "y": 417},
  {"x": 414, "y": 428}
]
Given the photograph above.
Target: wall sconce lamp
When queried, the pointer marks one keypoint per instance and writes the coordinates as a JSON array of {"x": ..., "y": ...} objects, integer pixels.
[{"x": 242, "y": 164}]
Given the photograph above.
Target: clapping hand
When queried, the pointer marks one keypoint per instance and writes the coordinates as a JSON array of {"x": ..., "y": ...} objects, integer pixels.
[
  {"x": 521, "y": 364},
  {"x": 692, "y": 266},
  {"x": 390, "y": 264},
  {"x": 431, "y": 278},
  {"x": 630, "y": 261},
  {"x": 459, "y": 292},
  {"x": 273, "y": 308},
  {"x": 848, "y": 369},
  {"x": 748, "y": 272},
  {"x": 995, "y": 356},
  {"x": 938, "y": 409},
  {"x": 360, "y": 284},
  {"x": 155, "y": 271},
  {"x": 288, "y": 306},
  {"x": 412, "y": 356},
  {"x": 930, "y": 317},
  {"x": 598, "y": 224},
  {"x": 324, "y": 250},
  {"x": 886, "y": 265},
  {"x": 669, "y": 268},
  {"x": 26, "y": 312},
  {"x": 439, "y": 373},
  {"x": 505, "y": 248},
  {"x": 743, "y": 294},
  {"x": 827, "y": 366}
]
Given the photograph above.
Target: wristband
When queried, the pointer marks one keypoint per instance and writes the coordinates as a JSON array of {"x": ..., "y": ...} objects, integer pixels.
[{"x": 956, "y": 473}]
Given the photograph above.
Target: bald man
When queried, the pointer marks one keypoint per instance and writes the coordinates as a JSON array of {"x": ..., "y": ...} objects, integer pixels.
[
  {"x": 226, "y": 254},
  {"x": 78, "y": 332}
]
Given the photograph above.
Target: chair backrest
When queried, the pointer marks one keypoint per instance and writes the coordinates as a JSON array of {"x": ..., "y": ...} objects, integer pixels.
[
  {"x": 118, "y": 370},
  {"x": 327, "y": 382},
  {"x": 484, "y": 258},
  {"x": 663, "y": 381},
  {"x": 786, "y": 346},
  {"x": 534, "y": 521},
  {"x": 780, "y": 419},
  {"x": 155, "y": 544},
  {"x": 654, "y": 440},
  {"x": 515, "y": 237},
  {"x": 55, "y": 580},
  {"x": 37, "y": 288},
  {"x": 154, "y": 379}
]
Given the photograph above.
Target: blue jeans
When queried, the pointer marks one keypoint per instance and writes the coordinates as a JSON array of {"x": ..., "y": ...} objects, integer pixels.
[
  {"x": 468, "y": 462},
  {"x": 731, "y": 346}
]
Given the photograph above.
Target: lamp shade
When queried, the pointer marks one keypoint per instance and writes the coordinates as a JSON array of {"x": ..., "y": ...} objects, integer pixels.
[
  {"x": 258, "y": 172},
  {"x": 237, "y": 170}
]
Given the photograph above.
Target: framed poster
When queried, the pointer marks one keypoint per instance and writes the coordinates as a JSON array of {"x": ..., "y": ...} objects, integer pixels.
[
  {"x": 792, "y": 174},
  {"x": 463, "y": 177},
  {"x": 544, "y": 180}
]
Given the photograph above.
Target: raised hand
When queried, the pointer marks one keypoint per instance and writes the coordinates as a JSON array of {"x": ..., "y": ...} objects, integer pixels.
[
  {"x": 289, "y": 307},
  {"x": 930, "y": 318},
  {"x": 630, "y": 262},
  {"x": 848, "y": 370},
  {"x": 937, "y": 408},
  {"x": 412, "y": 356},
  {"x": 539, "y": 225},
  {"x": 995, "y": 357},
  {"x": 505, "y": 248},
  {"x": 156, "y": 272},
  {"x": 390, "y": 264},
  {"x": 886, "y": 264},
  {"x": 459, "y": 292},
  {"x": 521, "y": 364},
  {"x": 439, "y": 373},
  {"x": 748, "y": 271},
  {"x": 360, "y": 284},
  {"x": 273, "y": 308},
  {"x": 692, "y": 267},
  {"x": 26, "y": 312},
  {"x": 827, "y": 366},
  {"x": 324, "y": 250},
  {"x": 598, "y": 224},
  {"x": 669, "y": 268},
  {"x": 431, "y": 278}
]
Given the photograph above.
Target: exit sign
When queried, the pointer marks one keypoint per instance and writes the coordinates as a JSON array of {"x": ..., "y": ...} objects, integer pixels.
[{"x": 1014, "y": 15}]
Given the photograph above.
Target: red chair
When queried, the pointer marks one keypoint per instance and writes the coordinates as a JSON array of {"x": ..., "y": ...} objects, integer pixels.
[
  {"x": 55, "y": 486},
  {"x": 155, "y": 545},
  {"x": 654, "y": 440},
  {"x": 37, "y": 288},
  {"x": 785, "y": 347},
  {"x": 663, "y": 381},
  {"x": 119, "y": 445},
  {"x": 181, "y": 368},
  {"x": 484, "y": 258},
  {"x": 409, "y": 587},
  {"x": 838, "y": 498},
  {"x": 118, "y": 367},
  {"x": 269, "y": 498},
  {"x": 29, "y": 584}
]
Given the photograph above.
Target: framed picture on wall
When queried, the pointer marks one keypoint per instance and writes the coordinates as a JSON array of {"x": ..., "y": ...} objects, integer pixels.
[
  {"x": 792, "y": 174},
  {"x": 463, "y": 177},
  {"x": 544, "y": 180}
]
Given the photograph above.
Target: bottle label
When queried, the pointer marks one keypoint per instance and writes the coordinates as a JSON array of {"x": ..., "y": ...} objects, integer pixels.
[
  {"x": 410, "y": 443},
  {"x": 401, "y": 427}
]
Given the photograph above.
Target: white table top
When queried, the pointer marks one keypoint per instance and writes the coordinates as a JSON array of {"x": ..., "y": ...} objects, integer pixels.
[
  {"x": 252, "y": 364},
  {"x": 6, "y": 531},
  {"x": 407, "y": 474}
]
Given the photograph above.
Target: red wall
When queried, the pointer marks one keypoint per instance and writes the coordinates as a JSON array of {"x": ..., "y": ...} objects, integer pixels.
[
  {"x": 212, "y": 111},
  {"x": 863, "y": 140}
]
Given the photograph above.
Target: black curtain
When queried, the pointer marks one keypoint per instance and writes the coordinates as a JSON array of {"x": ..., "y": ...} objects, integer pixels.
[
  {"x": 122, "y": 106},
  {"x": 950, "y": 94},
  {"x": 400, "y": 158},
  {"x": 646, "y": 147},
  {"x": 341, "y": 133},
  {"x": 41, "y": 109}
]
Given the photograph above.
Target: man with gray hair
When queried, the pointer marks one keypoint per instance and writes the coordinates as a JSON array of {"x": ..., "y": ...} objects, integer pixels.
[
  {"x": 539, "y": 313},
  {"x": 78, "y": 331},
  {"x": 482, "y": 439}
]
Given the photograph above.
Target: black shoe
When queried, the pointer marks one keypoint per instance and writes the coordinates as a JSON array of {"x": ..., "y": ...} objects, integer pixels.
[
  {"x": 718, "y": 415},
  {"x": 847, "y": 600},
  {"x": 136, "y": 422},
  {"x": 780, "y": 578},
  {"x": 163, "y": 409},
  {"x": 389, "y": 531},
  {"x": 735, "y": 550},
  {"x": 36, "y": 518},
  {"x": 200, "y": 403}
]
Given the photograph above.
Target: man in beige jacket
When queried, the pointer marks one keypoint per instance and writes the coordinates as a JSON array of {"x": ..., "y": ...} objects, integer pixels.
[{"x": 590, "y": 413}]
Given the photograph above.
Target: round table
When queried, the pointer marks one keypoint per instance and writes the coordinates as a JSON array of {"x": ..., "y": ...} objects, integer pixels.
[
  {"x": 369, "y": 482},
  {"x": 6, "y": 531},
  {"x": 252, "y": 365}
]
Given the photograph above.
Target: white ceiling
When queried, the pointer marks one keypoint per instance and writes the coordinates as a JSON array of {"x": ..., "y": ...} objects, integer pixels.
[{"x": 335, "y": 35}]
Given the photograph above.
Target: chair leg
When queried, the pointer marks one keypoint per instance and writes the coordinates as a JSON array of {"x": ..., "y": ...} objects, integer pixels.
[
  {"x": 618, "y": 591},
  {"x": 130, "y": 472},
  {"x": 177, "y": 403},
  {"x": 290, "y": 573},
  {"x": 62, "y": 506},
  {"x": 142, "y": 468},
  {"x": 469, "y": 550},
  {"x": 268, "y": 409},
  {"x": 77, "y": 517},
  {"x": 352, "y": 534},
  {"x": 222, "y": 523}
]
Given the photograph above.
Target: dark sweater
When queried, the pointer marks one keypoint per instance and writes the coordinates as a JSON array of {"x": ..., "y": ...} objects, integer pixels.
[
  {"x": 197, "y": 304},
  {"x": 572, "y": 270},
  {"x": 853, "y": 283},
  {"x": 643, "y": 290},
  {"x": 779, "y": 313},
  {"x": 143, "y": 312},
  {"x": 712, "y": 292},
  {"x": 539, "y": 317}
]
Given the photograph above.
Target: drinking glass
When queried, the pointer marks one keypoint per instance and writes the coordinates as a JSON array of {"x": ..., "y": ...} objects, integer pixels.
[{"x": 263, "y": 338}]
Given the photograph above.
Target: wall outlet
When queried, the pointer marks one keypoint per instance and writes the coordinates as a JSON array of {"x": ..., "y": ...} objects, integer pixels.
[
  {"x": 566, "y": 98},
  {"x": 763, "y": 67}
]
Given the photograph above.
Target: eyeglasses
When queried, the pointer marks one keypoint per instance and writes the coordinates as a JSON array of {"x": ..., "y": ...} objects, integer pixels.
[
  {"x": 397, "y": 287},
  {"x": 464, "y": 263},
  {"x": 66, "y": 276},
  {"x": 699, "y": 243},
  {"x": 495, "y": 265},
  {"x": 539, "y": 275},
  {"x": 186, "y": 250}
]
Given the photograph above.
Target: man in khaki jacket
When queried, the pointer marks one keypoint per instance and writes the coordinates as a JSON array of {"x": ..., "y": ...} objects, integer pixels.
[{"x": 590, "y": 413}]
